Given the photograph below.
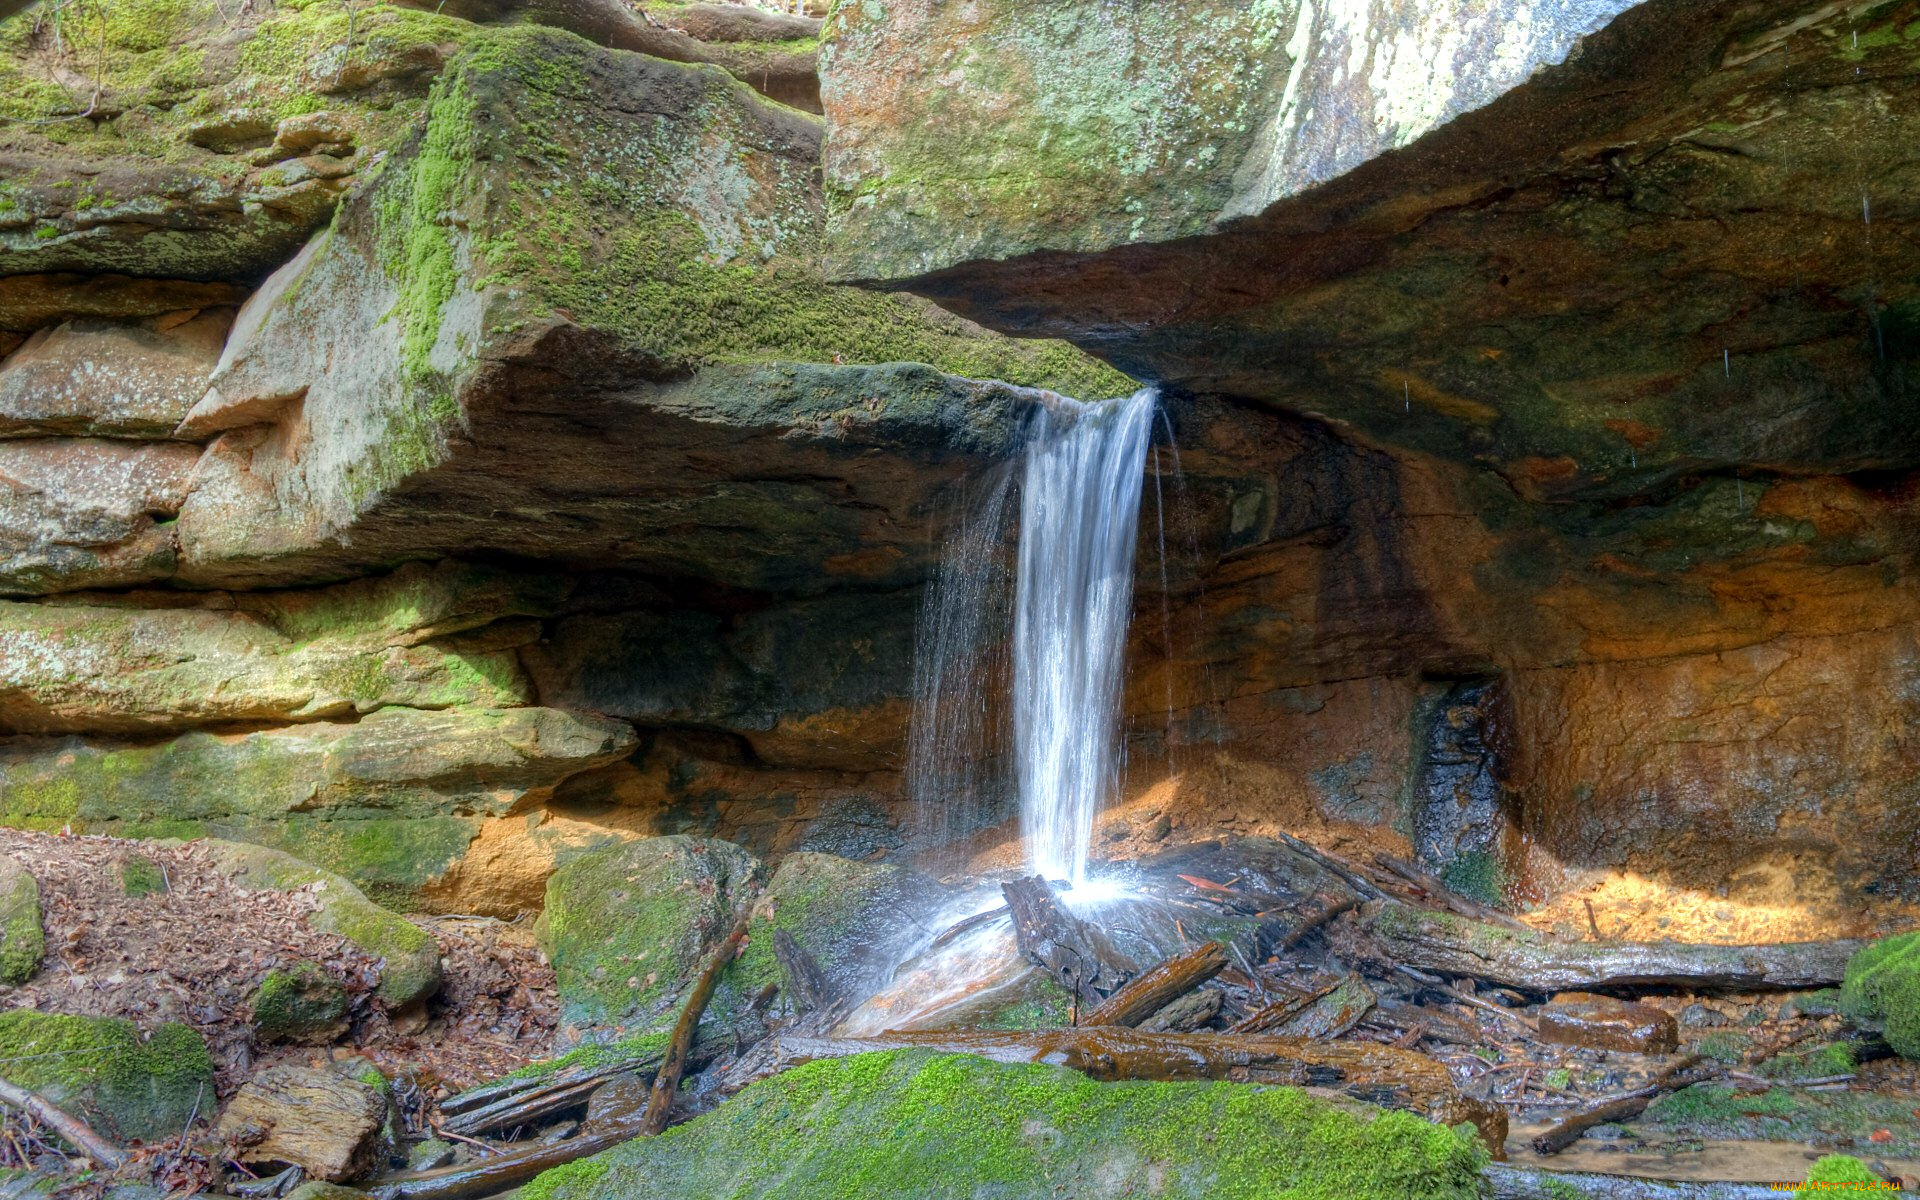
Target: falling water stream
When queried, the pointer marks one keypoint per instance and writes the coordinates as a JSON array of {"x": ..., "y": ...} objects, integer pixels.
[
  {"x": 1079, "y": 520},
  {"x": 1080, "y": 479}
]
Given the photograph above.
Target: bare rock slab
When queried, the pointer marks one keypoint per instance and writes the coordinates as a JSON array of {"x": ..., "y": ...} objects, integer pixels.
[
  {"x": 110, "y": 379},
  {"x": 1587, "y": 1019}
]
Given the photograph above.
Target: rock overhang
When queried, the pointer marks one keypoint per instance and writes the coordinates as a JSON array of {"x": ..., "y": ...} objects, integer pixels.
[{"x": 1681, "y": 252}]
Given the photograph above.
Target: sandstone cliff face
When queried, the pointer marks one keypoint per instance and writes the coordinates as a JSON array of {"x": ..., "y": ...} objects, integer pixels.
[
  {"x": 540, "y": 492},
  {"x": 434, "y": 444},
  {"x": 1589, "y": 329}
]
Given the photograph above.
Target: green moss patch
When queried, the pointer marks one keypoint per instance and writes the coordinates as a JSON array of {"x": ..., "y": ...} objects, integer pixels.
[
  {"x": 141, "y": 876},
  {"x": 106, "y": 1072},
  {"x": 1882, "y": 990},
  {"x": 298, "y": 1004},
  {"x": 628, "y": 927},
  {"x": 1720, "y": 1111},
  {"x": 22, "y": 942},
  {"x": 1839, "y": 1168},
  {"x": 914, "y": 1124}
]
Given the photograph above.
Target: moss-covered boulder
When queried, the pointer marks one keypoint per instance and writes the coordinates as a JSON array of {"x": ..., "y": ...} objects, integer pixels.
[
  {"x": 105, "y": 1071},
  {"x": 628, "y": 927},
  {"x": 393, "y": 800},
  {"x": 299, "y": 1003},
  {"x": 152, "y": 145},
  {"x": 611, "y": 257},
  {"x": 411, "y": 638},
  {"x": 849, "y": 919},
  {"x": 920, "y": 1126},
  {"x": 1882, "y": 989},
  {"x": 22, "y": 942},
  {"x": 409, "y": 957}
]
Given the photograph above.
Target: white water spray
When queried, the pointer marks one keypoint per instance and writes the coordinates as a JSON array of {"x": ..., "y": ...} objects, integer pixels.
[{"x": 1079, "y": 519}]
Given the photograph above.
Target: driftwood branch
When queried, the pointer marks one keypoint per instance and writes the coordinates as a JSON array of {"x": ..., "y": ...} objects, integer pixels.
[
  {"x": 75, "y": 1132},
  {"x": 1339, "y": 867},
  {"x": 506, "y": 1171},
  {"x": 1300, "y": 932},
  {"x": 1071, "y": 951},
  {"x": 667, "y": 1080},
  {"x": 1453, "y": 945},
  {"x": 1620, "y": 1108},
  {"x": 1160, "y": 986}
]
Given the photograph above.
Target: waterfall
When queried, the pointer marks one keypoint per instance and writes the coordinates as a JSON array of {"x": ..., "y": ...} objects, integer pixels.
[
  {"x": 1071, "y": 590},
  {"x": 1079, "y": 519}
]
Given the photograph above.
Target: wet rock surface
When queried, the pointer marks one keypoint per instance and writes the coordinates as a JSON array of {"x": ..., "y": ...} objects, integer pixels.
[{"x": 1602, "y": 1022}]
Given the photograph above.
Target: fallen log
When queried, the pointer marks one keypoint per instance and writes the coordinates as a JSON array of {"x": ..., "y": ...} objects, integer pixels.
[
  {"x": 1363, "y": 1070},
  {"x": 1186, "y": 1014},
  {"x": 1160, "y": 986},
  {"x": 523, "y": 1108},
  {"x": 1071, "y": 951},
  {"x": 1526, "y": 1183},
  {"x": 72, "y": 1130},
  {"x": 666, "y": 1081},
  {"x": 1621, "y": 1108},
  {"x": 1262, "y": 1019},
  {"x": 1454, "y": 945},
  {"x": 499, "y": 1105}
]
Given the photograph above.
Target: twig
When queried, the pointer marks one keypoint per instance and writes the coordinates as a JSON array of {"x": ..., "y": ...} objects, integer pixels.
[
  {"x": 1593, "y": 923},
  {"x": 77, "y": 1133}
]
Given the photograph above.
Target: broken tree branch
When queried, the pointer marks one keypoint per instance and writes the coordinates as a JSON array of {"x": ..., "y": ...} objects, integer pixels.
[
  {"x": 1446, "y": 897},
  {"x": 76, "y": 1132},
  {"x": 1071, "y": 951},
  {"x": 1160, "y": 986},
  {"x": 667, "y": 1080}
]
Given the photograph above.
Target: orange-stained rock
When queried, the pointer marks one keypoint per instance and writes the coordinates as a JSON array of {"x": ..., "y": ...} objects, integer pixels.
[{"x": 1586, "y": 1019}]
